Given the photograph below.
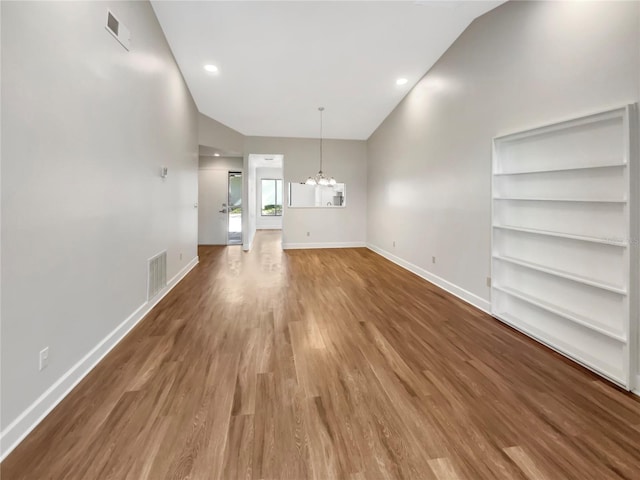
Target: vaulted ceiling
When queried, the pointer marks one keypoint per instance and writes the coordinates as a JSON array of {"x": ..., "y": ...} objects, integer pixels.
[{"x": 279, "y": 61}]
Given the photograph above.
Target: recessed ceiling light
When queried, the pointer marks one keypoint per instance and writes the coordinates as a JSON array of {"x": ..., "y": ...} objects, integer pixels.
[
  {"x": 401, "y": 81},
  {"x": 211, "y": 68},
  {"x": 216, "y": 154}
]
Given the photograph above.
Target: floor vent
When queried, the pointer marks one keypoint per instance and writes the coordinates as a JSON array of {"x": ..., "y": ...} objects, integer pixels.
[{"x": 157, "y": 274}]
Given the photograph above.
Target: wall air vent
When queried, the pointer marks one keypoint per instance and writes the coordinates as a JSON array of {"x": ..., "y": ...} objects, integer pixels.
[
  {"x": 157, "y": 274},
  {"x": 118, "y": 30}
]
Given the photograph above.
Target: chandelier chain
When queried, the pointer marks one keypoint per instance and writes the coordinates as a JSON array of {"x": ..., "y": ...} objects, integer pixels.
[
  {"x": 321, "y": 112},
  {"x": 320, "y": 178}
]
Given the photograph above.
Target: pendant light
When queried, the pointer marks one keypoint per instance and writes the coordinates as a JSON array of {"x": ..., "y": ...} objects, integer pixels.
[{"x": 320, "y": 178}]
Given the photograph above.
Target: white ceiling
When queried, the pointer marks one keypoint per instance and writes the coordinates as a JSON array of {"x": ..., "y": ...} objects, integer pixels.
[{"x": 279, "y": 61}]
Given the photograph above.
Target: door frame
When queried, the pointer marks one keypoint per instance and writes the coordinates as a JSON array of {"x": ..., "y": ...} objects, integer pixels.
[
  {"x": 229, "y": 174},
  {"x": 223, "y": 170}
]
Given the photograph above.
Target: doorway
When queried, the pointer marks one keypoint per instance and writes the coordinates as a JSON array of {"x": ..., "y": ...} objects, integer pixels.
[
  {"x": 234, "y": 230},
  {"x": 264, "y": 207}
]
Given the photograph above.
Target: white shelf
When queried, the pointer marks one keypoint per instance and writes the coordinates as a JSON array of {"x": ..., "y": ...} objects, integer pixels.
[
  {"x": 562, "y": 274},
  {"x": 537, "y": 131},
  {"x": 559, "y": 346},
  {"x": 561, "y": 312},
  {"x": 583, "y": 200},
  {"x": 563, "y": 169},
  {"x": 582, "y": 238}
]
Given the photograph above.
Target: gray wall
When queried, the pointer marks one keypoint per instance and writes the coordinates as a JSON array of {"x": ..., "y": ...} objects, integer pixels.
[
  {"x": 231, "y": 164},
  {"x": 212, "y": 133},
  {"x": 346, "y": 161},
  {"x": 518, "y": 66},
  {"x": 86, "y": 127}
]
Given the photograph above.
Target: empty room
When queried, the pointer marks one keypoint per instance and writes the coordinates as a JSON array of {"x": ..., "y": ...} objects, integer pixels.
[{"x": 282, "y": 240}]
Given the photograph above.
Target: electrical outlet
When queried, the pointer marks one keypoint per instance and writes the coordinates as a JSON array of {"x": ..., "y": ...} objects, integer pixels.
[
  {"x": 433, "y": 259},
  {"x": 308, "y": 234},
  {"x": 44, "y": 358},
  {"x": 180, "y": 255},
  {"x": 394, "y": 243},
  {"x": 488, "y": 281}
]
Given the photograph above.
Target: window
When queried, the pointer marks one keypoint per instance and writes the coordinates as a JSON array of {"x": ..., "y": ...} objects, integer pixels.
[{"x": 271, "y": 189}]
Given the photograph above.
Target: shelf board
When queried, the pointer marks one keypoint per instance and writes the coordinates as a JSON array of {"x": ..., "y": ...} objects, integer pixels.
[
  {"x": 584, "y": 200},
  {"x": 564, "y": 169},
  {"x": 562, "y": 274},
  {"x": 561, "y": 312},
  {"x": 559, "y": 346},
  {"x": 599, "y": 117},
  {"x": 549, "y": 233}
]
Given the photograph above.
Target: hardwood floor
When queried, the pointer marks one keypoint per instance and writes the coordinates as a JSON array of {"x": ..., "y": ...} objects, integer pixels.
[{"x": 329, "y": 364}]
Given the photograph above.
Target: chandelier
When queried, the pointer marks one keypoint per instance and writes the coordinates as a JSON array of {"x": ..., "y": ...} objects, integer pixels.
[{"x": 320, "y": 178}]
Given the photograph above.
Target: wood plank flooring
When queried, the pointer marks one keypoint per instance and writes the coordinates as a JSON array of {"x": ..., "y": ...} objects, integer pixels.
[{"x": 329, "y": 364}]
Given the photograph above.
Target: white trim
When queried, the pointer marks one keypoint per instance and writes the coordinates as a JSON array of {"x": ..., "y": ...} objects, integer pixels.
[
  {"x": 453, "y": 289},
  {"x": 297, "y": 246},
  {"x": 17, "y": 430}
]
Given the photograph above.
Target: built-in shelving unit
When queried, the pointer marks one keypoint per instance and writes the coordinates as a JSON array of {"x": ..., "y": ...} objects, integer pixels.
[{"x": 563, "y": 196}]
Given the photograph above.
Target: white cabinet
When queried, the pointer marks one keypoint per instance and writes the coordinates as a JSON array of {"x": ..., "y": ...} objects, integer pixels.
[{"x": 564, "y": 238}]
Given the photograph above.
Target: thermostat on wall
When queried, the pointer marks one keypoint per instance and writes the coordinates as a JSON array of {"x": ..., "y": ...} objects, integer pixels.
[{"x": 118, "y": 30}]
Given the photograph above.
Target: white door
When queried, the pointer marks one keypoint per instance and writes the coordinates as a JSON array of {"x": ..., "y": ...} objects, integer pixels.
[{"x": 212, "y": 207}]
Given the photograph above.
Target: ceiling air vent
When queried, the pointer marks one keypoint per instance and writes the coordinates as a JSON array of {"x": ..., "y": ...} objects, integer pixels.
[{"x": 118, "y": 30}]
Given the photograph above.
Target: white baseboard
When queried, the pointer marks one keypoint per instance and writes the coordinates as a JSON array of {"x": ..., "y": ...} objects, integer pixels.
[
  {"x": 636, "y": 390},
  {"x": 297, "y": 246},
  {"x": 461, "y": 293},
  {"x": 17, "y": 430}
]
